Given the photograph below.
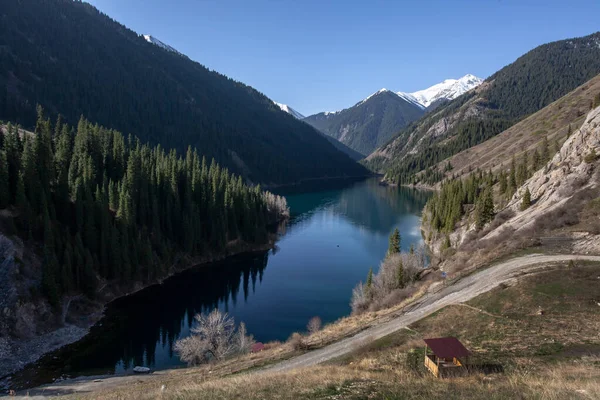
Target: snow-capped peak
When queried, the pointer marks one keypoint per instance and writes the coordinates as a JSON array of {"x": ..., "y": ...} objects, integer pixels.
[
  {"x": 289, "y": 110},
  {"x": 155, "y": 41},
  {"x": 374, "y": 94},
  {"x": 449, "y": 89}
]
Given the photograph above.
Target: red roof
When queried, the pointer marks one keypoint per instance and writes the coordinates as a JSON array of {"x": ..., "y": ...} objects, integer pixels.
[{"x": 447, "y": 347}]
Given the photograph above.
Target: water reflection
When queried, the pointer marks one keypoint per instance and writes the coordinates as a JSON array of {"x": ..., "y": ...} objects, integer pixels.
[
  {"x": 139, "y": 328},
  {"x": 334, "y": 237}
]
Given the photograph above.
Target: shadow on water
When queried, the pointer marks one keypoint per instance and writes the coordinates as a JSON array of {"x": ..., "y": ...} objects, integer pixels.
[
  {"x": 337, "y": 231},
  {"x": 137, "y": 327}
]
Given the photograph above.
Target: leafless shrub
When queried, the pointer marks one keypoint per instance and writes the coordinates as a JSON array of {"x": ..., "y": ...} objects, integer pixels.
[
  {"x": 395, "y": 272},
  {"x": 297, "y": 342},
  {"x": 314, "y": 325},
  {"x": 359, "y": 302},
  {"x": 276, "y": 204},
  {"x": 396, "y": 296},
  {"x": 214, "y": 337},
  {"x": 243, "y": 341}
]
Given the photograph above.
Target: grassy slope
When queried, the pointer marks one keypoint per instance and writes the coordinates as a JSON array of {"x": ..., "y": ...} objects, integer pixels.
[
  {"x": 554, "y": 355},
  {"x": 551, "y": 122}
]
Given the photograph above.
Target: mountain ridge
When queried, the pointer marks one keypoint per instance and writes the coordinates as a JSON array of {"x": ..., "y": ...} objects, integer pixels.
[
  {"x": 290, "y": 110},
  {"x": 369, "y": 123},
  {"x": 519, "y": 89},
  {"x": 74, "y": 60}
]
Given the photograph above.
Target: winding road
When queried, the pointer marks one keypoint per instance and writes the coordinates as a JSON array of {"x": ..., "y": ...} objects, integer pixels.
[{"x": 461, "y": 291}]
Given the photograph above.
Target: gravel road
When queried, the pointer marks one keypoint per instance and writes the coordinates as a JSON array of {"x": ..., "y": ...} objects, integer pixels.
[{"x": 462, "y": 291}]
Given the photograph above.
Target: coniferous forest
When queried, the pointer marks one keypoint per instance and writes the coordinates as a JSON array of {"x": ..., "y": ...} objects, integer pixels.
[
  {"x": 74, "y": 60},
  {"x": 523, "y": 87},
  {"x": 103, "y": 206}
]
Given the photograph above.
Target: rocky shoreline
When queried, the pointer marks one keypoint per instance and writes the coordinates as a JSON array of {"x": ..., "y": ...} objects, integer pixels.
[{"x": 17, "y": 353}]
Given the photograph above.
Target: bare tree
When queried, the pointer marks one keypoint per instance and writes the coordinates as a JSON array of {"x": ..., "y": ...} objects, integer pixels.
[
  {"x": 396, "y": 272},
  {"x": 360, "y": 300},
  {"x": 314, "y": 325},
  {"x": 213, "y": 338},
  {"x": 243, "y": 341}
]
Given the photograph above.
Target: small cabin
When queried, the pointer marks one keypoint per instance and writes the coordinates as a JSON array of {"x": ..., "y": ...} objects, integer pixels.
[{"x": 446, "y": 357}]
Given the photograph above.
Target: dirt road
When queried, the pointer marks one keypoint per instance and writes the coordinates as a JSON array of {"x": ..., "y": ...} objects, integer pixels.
[{"x": 461, "y": 291}]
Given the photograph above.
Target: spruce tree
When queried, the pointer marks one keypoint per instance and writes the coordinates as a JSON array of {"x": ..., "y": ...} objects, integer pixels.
[
  {"x": 400, "y": 274},
  {"x": 484, "y": 210},
  {"x": 526, "y": 202},
  {"x": 394, "y": 242}
]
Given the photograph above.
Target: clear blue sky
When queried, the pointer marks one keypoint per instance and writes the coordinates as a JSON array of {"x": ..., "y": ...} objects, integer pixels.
[{"x": 319, "y": 55}]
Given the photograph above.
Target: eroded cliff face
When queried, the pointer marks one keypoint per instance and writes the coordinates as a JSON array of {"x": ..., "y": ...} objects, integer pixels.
[
  {"x": 561, "y": 182},
  {"x": 564, "y": 214}
]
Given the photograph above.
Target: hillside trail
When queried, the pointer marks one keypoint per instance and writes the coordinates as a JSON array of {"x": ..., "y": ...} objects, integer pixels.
[
  {"x": 463, "y": 290},
  {"x": 460, "y": 291}
]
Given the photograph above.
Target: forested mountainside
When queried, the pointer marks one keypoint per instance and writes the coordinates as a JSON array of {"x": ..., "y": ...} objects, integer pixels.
[
  {"x": 370, "y": 123},
  {"x": 533, "y": 81},
  {"x": 72, "y": 59},
  {"x": 529, "y": 141},
  {"x": 353, "y": 154},
  {"x": 489, "y": 214},
  {"x": 96, "y": 207}
]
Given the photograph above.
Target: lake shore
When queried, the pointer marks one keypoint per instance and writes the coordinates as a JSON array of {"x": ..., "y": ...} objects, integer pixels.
[{"x": 22, "y": 352}]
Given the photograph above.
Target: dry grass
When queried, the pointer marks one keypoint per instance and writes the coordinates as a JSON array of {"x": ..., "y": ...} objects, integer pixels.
[
  {"x": 555, "y": 355},
  {"x": 357, "y": 382},
  {"x": 551, "y": 122}
]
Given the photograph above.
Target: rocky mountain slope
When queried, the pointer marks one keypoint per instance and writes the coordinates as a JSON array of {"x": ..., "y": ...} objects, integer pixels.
[
  {"x": 370, "y": 122},
  {"x": 557, "y": 209},
  {"x": 553, "y": 124},
  {"x": 72, "y": 59},
  {"x": 568, "y": 184},
  {"x": 533, "y": 81}
]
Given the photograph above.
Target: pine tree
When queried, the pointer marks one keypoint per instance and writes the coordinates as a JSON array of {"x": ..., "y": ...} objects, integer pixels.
[
  {"x": 400, "y": 274},
  {"x": 512, "y": 179},
  {"x": 526, "y": 200},
  {"x": 394, "y": 243},
  {"x": 536, "y": 161},
  {"x": 484, "y": 210},
  {"x": 370, "y": 278},
  {"x": 503, "y": 180}
]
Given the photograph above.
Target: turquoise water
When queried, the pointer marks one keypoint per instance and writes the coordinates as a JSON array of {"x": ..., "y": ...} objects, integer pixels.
[{"x": 334, "y": 236}]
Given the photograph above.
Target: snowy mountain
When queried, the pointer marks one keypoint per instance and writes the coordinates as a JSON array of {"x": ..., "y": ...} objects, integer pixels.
[
  {"x": 446, "y": 90},
  {"x": 155, "y": 41},
  {"x": 289, "y": 110},
  {"x": 369, "y": 123}
]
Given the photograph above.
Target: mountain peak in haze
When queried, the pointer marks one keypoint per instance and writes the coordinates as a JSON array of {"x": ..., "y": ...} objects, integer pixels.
[
  {"x": 449, "y": 89},
  {"x": 289, "y": 110}
]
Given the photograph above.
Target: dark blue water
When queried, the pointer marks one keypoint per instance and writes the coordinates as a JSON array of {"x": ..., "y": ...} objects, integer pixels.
[{"x": 333, "y": 238}]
